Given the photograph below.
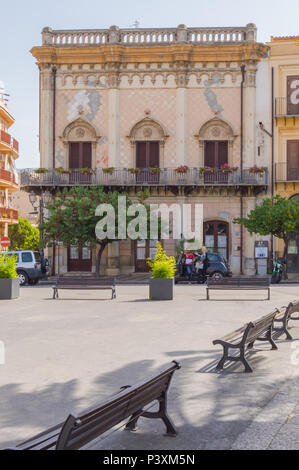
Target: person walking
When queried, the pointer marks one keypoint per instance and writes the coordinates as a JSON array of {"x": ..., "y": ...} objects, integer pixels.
[
  {"x": 189, "y": 263},
  {"x": 205, "y": 261},
  {"x": 199, "y": 268}
]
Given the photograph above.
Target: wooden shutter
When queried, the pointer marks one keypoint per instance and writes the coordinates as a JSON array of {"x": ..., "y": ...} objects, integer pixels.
[
  {"x": 222, "y": 153},
  {"x": 153, "y": 154},
  {"x": 86, "y": 154},
  {"x": 293, "y": 95},
  {"x": 293, "y": 160},
  {"x": 74, "y": 155},
  {"x": 210, "y": 153},
  {"x": 141, "y": 155}
]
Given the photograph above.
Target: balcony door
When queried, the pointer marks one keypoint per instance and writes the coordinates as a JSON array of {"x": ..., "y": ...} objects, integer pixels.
[
  {"x": 79, "y": 157},
  {"x": 216, "y": 155},
  {"x": 147, "y": 156},
  {"x": 293, "y": 160}
]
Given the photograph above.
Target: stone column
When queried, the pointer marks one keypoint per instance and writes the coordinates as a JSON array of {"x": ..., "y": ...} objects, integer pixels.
[
  {"x": 250, "y": 150},
  {"x": 181, "y": 113},
  {"x": 113, "y": 264},
  {"x": 46, "y": 117},
  {"x": 113, "y": 119}
]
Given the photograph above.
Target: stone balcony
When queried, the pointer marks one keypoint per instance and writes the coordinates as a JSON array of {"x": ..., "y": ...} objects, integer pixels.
[
  {"x": 8, "y": 180},
  {"x": 8, "y": 143},
  {"x": 285, "y": 173},
  {"x": 124, "y": 179},
  {"x": 149, "y": 36},
  {"x": 8, "y": 215}
]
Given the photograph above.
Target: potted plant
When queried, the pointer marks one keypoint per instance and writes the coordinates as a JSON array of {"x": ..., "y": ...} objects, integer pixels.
[
  {"x": 86, "y": 171},
  {"x": 134, "y": 171},
  {"x": 41, "y": 170},
  {"x": 257, "y": 170},
  {"x": 155, "y": 171},
  {"x": 163, "y": 269},
  {"x": 109, "y": 170},
  {"x": 62, "y": 171},
  {"x": 226, "y": 168},
  {"x": 9, "y": 283},
  {"x": 206, "y": 170},
  {"x": 183, "y": 169}
]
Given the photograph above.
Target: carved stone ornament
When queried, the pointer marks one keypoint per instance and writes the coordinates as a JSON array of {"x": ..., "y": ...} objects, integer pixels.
[
  {"x": 147, "y": 132},
  {"x": 80, "y": 132}
]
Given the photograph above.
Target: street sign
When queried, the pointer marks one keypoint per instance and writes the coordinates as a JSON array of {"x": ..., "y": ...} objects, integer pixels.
[
  {"x": 261, "y": 249},
  {"x": 5, "y": 241}
]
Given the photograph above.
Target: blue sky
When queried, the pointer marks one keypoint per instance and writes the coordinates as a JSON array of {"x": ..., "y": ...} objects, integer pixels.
[{"x": 22, "y": 22}]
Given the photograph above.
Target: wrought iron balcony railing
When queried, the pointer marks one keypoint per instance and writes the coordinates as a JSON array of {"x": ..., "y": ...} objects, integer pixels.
[
  {"x": 145, "y": 177},
  {"x": 285, "y": 172}
]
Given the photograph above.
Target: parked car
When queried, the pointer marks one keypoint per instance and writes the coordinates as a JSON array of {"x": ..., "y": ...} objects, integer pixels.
[
  {"x": 217, "y": 268},
  {"x": 28, "y": 266}
]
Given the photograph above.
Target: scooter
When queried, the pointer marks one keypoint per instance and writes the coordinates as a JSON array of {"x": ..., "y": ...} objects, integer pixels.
[{"x": 278, "y": 271}]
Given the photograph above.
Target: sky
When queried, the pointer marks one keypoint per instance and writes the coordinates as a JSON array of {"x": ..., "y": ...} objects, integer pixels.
[{"x": 21, "y": 23}]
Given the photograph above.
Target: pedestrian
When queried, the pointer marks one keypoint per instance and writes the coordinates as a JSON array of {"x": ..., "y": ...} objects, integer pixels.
[
  {"x": 189, "y": 263},
  {"x": 205, "y": 261},
  {"x": 199, "y": 267}
]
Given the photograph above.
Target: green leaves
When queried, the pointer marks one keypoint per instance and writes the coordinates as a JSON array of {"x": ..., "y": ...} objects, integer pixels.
[
  {"x": 279, "y": 218},
  {"x": 8, "y": 267},
  {"x": 23, "y": 236}
]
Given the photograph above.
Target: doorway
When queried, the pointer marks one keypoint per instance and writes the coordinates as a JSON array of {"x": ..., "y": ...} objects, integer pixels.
[
  {"x": 144, "y": 249},
  {"x": 293, "y": 160},
  {"x": 79, "y": 259},
  {"x": 215, "y": 156},
  {"x": 147, "y": 158},
  {"x": 216, "y": 237},
  {"x": 79, "y": 157}
]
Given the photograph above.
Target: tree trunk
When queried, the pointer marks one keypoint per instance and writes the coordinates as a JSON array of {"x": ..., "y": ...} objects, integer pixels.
[{"x": 99, "y": 256}]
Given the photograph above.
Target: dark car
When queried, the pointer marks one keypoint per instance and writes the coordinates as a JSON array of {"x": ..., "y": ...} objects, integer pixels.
[{"x": 217, "y": 268}]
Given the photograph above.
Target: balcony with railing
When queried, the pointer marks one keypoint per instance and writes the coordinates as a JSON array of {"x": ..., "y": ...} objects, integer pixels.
[
  {"x": 284, "y": 108},
  {"x": 8, "y": 143},
  {"x": 8, "y": 180},
  {"x": 8, "y": 215},
  {"x": 286, "y": 173},
  {"x": 148, "y": 36},
  {"x": 143, "y": 177}
]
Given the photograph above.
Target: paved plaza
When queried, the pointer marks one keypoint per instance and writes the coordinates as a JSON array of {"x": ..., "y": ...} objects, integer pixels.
[{"x": 64, "y": 355}]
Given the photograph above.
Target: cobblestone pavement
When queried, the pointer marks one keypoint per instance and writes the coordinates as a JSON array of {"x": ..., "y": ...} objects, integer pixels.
[{"x": 64, "y": 355}]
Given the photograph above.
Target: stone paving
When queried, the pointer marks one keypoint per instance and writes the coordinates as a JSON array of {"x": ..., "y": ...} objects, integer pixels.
[{"x": 63, "y": 356}]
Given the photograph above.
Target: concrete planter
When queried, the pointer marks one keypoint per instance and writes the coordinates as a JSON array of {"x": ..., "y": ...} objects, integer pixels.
[
  {"x": 161, "y": 289},
  {"x": 9, "y": 289}
]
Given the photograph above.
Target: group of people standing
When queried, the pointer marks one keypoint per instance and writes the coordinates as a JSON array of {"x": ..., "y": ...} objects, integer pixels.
[{"x": 196, "y": 263}]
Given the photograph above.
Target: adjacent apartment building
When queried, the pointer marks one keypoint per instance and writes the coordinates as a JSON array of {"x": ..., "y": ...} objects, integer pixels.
[
  {"x": 148, "y": 99},
  {"x": 284, "y": 60},
  {"x": 9, "y": 152}
]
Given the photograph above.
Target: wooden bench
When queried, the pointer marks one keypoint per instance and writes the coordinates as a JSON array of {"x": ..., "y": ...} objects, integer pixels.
[
  {"x": 77, "y": 431},
  {"x": 284, "y": 315},
  {"x": 259, "y": 330},
  {"x": 85, "y": 283},
  {"x": 239, "y": 283}
]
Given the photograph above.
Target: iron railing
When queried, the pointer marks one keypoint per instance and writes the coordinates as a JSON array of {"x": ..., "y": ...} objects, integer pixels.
[
  {"x": 284, "y": 108},
  {"x": 124, "y": 177},
  {"x": 285, "y": 172}
]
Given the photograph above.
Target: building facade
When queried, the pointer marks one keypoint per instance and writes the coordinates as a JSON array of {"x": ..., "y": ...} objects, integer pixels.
[
  {"x": 154, "y": 98},
  {"x": 9, "y": 181},
  {"x": 284, "y": 60}
]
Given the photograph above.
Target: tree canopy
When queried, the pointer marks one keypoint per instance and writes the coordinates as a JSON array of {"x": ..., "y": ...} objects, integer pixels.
[
  {"x": 23, "y": 236},
  {"x": 279, "y": 218},
  {"x": 72, "y": 217}
]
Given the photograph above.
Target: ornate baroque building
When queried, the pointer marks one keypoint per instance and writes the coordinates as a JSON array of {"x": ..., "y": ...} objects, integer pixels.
[
  {"x": 154, "y": 98},
  {"x": 9, "y": 152}
]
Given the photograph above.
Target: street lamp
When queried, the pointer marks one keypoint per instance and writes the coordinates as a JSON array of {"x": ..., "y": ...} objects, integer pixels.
[{"x": 45, "y": 198}]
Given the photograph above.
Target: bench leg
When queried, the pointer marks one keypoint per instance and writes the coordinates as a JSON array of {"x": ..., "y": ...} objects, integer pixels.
[
  {"x": 55, "y": 293},
  {"x": 244, "y": 361},
  {"x": 220, "y": 364},
  {"x": 132, "y": 424},
  {"x": 208, "y": 295},
  {"x": 270, "y": 339}
]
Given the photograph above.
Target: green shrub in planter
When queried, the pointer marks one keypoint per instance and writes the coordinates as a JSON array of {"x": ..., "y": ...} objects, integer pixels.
[
  {"x": 9, "y": 283},
  {"x": 163, "y": 270}
]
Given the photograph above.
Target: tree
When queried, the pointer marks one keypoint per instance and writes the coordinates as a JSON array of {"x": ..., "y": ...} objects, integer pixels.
[
  {"x": 279, "y": 218},
  {"x": 72, "y": 218},
  {"x": 23, "y": 236}
]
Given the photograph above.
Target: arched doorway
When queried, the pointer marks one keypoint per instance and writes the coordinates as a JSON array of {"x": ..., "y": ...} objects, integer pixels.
[
  {"x": 216, "y": 237},
  {"x": 293, "y": 249}
]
